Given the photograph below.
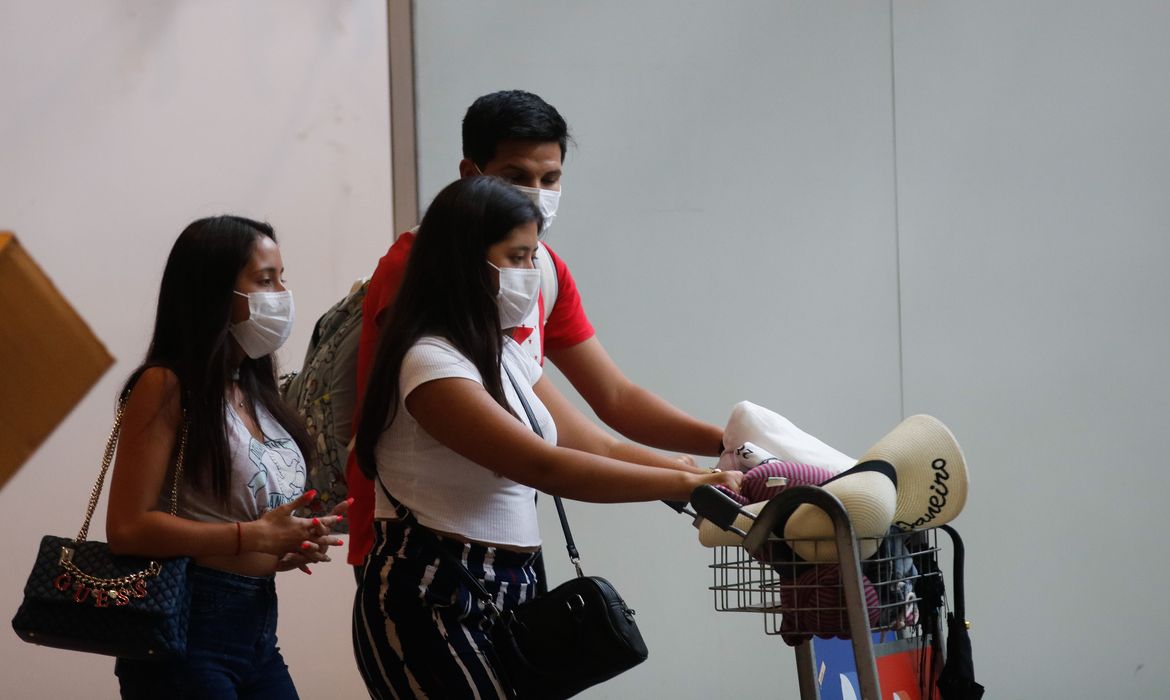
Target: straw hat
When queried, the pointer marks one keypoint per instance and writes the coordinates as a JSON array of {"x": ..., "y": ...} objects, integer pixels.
[
  {"x": 710, "y": 534},
  {"x": 869, "y": 494},
  {"x": 932, "y": 474}
]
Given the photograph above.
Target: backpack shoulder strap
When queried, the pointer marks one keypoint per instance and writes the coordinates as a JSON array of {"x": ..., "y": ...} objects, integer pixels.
[{"x": 549, "y": 283}]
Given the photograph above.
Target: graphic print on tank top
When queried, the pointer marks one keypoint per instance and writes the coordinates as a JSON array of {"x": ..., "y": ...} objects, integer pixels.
[{"x": 280, "y": 472}]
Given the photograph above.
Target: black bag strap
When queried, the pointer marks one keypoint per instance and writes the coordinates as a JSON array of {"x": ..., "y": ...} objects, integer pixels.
[
  {"x": 108, "y": 456},
  {"x": 574, "y": 555},
  {"x": 473, "y": 585},
  {"x": 154, "y": 566}
]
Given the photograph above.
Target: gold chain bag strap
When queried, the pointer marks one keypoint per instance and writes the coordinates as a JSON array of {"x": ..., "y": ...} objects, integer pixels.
[{"x": 82, "y": 597}]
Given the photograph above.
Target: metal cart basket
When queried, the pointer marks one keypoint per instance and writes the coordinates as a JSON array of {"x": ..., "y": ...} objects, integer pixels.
[{"x": 896, "y": 591}]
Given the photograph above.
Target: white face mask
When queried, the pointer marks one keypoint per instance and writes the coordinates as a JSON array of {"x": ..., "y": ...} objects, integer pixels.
[
  {"x": 517, "y": 295},
  {"x": 269, "y": 322},
  {"x": 545, "y": 200}
]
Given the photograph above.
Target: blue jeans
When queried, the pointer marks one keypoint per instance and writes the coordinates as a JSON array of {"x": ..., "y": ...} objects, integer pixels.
[{"x": 231, "y": 646}]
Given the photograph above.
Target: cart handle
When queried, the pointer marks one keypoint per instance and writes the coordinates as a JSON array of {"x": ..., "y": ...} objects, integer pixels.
[
  {"x": 773, "y": 517},
  {"x": 718, "y": 508}
]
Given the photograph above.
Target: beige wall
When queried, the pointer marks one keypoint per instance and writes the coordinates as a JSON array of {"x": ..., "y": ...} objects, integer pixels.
[{"x": 120, "y": 123}]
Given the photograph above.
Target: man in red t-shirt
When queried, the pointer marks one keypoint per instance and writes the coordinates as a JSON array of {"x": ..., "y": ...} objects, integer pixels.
[{"x": 520, "y": 138}]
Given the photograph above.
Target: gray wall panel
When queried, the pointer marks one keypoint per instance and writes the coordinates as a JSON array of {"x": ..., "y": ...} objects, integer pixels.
[
  {"x": 735, "y": 163},
  {"x": 1034, "y": 167},
  {"x": 728, "y": 214}
]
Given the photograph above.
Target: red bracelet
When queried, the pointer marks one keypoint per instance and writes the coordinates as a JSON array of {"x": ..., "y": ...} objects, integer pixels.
[{"x": 239, "y": 538}]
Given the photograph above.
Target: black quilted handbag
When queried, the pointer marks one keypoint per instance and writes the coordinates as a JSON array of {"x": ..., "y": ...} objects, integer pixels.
[{"x": 81, "y": 597}]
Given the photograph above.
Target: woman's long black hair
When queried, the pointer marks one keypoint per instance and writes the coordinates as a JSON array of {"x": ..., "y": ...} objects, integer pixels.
[
  {"x": 447, "y": 290},
  {"x": 191, "y": 339}
]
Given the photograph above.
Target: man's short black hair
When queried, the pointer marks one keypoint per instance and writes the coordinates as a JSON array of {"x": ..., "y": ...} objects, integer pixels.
[{"x": 510, "y": 115}]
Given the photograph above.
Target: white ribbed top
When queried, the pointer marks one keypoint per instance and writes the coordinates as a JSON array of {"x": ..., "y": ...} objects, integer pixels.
[{"x": 444, "y": 490}]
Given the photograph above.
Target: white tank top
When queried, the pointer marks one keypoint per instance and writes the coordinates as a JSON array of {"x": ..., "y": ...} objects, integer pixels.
[{"x": 265, "y": 473}]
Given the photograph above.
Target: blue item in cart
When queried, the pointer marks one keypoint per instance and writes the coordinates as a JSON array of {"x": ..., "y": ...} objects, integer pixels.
[
  {"x": 835, "y": 668},
  {"x": 894, "y": 571},
  {"x": 899, "y": 670}
]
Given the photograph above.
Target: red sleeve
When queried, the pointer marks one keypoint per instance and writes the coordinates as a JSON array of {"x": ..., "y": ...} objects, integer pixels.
[
  {"x": 567, "y": 325},
  {"x": 380, "y": 294},
  {"x": 386, "y": 280}
]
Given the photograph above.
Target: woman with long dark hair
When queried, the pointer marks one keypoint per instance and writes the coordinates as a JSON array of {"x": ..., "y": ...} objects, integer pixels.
[
  {"x": 207, "y": 390},
  {"x": 443, "y": 428}
]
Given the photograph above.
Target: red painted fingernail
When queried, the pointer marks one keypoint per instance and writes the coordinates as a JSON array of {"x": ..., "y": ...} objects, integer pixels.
[
  {"x": 316, "y": 521},
  {"x": 306, "y": 570},
  {"x": 311, "y": 494},
  {"x": 340, "y": 542},
  {"x": 305, "y": 545},
  {"x": 340, "y": 518},
  {"x": 349, "y": 501}
]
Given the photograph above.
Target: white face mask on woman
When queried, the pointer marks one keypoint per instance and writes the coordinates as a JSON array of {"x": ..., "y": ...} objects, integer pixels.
[
  {"x": 545, "y": 200},
  {"x": 269, "y": 322},
  {"x": 517, "y": 296}
]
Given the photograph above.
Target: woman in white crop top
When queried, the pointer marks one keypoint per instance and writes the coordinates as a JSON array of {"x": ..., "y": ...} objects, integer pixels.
[
  {"x": 222, "y": 311},
  {"x": 444, "y": 431}
]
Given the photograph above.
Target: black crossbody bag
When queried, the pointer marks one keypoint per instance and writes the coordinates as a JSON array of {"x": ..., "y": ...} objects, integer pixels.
[{"x": 556, "y": 645}]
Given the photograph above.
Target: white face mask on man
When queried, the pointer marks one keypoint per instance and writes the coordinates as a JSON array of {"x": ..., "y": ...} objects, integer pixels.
[
  {"x": 545, "y": 200},
  {"x": 269, "y": 322},
  {"x": 518, "y": 293}
]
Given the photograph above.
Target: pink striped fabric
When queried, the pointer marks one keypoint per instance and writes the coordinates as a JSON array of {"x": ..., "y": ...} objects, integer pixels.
[
  {"x": 755, "y": 482},
  {"x": 814, "y": 605},
  {"x": 738, "y": 498}
]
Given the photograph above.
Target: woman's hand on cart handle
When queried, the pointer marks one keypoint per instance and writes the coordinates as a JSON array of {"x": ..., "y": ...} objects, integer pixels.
[{"x": 730, "y": 479}]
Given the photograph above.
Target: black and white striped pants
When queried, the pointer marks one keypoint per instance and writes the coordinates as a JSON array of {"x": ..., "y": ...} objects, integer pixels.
[{"x": 417, "y": 633}]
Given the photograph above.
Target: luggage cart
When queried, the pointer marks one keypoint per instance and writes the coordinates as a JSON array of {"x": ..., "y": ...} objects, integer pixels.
[{"x": 897, "y": 591}]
